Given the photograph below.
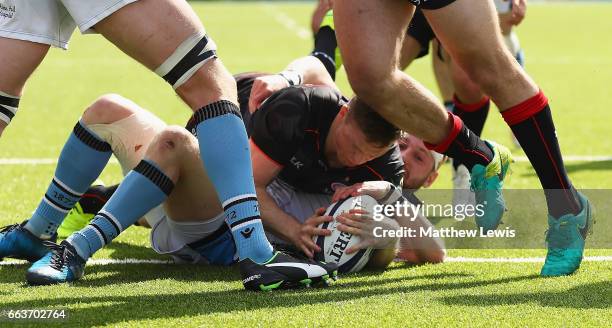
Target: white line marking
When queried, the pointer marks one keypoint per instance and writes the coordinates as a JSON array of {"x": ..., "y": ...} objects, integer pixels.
[
  {"x": 286, "y": 21},
  {"x": 100, "y": 262},
  {"x": 573, "y": 158},
  {"x": 518, "y": 259},
  {"x": 448, "y": 259},
  {"x": 37, "y": 161}
]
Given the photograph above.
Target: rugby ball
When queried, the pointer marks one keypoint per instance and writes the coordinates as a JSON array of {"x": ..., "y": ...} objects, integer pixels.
[{"x": 333, "y": 247}]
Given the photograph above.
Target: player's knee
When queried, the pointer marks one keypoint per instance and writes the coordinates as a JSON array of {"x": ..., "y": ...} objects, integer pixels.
[
  {"x": 107, "y": 109},
  {"x": 173, "y": 139},
  {"x": 370, "y": 84}
]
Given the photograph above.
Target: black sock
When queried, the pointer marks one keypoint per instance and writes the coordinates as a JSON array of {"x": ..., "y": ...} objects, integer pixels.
[
  {"x": 464, "y": 145},
  {"x": 472, "y": 115},
  {"x": 95, "y": 197},
  {"x": 325, "y": 49},
  {"x": 532, "y": 124}
]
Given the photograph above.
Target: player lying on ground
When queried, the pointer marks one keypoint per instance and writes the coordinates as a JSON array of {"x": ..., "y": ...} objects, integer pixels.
[
  {"x": 171, "y": 174},
  {"x": 369, "y": 37},
  {"x": 163, "y": 167},
  {"x": 420, "y": 170},
  {"x": 167, "y": 37}
]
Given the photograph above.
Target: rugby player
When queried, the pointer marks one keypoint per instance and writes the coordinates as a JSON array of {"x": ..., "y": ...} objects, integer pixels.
[
  {"x": 452, "y": 81},
  {"x": 461, "y": 95},
  {"x": 167, "y": 37},
  {"x": 370, "y": 35},
  {"x": 171, "y": 163}
]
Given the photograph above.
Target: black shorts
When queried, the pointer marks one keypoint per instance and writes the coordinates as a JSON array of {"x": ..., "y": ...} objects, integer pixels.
[
  {"x": 431, "y": 4},
  {"x": 420, "y": 30}
]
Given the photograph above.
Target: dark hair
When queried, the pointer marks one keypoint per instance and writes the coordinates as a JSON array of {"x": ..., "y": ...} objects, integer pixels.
[{"x": 375, "y": 128}]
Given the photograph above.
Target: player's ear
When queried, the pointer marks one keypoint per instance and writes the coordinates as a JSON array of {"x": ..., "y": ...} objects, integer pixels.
[{"x": 430, "y": 179}]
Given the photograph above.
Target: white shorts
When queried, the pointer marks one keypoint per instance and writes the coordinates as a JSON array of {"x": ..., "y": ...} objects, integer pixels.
[
  {"x": 203, "y": 242},
  {"x": 53, "y": 21}
]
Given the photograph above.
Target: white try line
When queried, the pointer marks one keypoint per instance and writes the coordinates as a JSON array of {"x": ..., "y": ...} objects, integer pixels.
[
  {"x": 37, "y": 161},
  {"x": 448, "y": 260},
  {"x": 518, "y": 259},
  {"x": 573, "y": 158},
  {"x": 288, "y": 22},
  {"x": 522, "y": 159}
]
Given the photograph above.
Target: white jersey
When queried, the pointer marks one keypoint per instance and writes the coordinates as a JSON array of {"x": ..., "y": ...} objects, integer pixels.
[{"x": 52, "y": 22}]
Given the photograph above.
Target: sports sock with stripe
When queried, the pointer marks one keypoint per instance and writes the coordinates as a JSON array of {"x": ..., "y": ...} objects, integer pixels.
[
  {"x": 532, "y": 124},
  {"x": 81, "y": 161},
  {"x": 143, "y": 188},
  {"x": 224, "y": 150},
  {"x": 473, "y": 116},
  {"x": 325, "y": 49},
  {"x": 463, "y": 145}
]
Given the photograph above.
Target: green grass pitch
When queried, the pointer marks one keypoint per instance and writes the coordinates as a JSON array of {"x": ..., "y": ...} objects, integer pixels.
[{"x": 568, "y": 52}]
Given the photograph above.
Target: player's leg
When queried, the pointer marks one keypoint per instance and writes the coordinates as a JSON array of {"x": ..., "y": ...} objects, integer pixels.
[
  {"x": 411, "y": 48},
  {"x": 170, "y": 173},
  {"x": 167, "y": 36},
  {"x": 82, "y": 159},
  {"x": 369, "y": 35},
  {"x": 194, "y": 197},
  {"x": 18, "y": 60},
  {"x": 416, "y": 42},
  {"x": 525, "y": 108},
  {"x": 143, "y": 188},
  {"x": 473, "y": 108},
  {"x": 439, "y": 61},
  {"x": 484, "y": 58}
]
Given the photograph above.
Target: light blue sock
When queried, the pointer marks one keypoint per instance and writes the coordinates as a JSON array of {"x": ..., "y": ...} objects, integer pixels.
[
  {"x": 81, "y": 161},
  {"x": 143, "y": 188},
  {"x": 224, "y": 149}
]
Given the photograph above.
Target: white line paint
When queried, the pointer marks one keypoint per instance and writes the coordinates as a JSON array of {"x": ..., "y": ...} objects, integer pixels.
[
  {"x": 286, "y": 21},
  {"x": 100, "y": 262},
  {"x": 518, "y": 259},
  {"x": 448, "y": 260},
  {"x": 522, "y": 159},
  {"x": 37, "y": 161},
  {"x": 573, "y": 158}
]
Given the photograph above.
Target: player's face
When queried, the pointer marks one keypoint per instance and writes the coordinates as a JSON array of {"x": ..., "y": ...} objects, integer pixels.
[
  {"x": 418, "y": 161},
  {"x": 352, "y": 146}
]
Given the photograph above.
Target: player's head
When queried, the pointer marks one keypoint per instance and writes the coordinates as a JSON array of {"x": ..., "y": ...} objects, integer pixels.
[
  {"x": 361, "y": 135},
  {"x": 420, "y": 164}
]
